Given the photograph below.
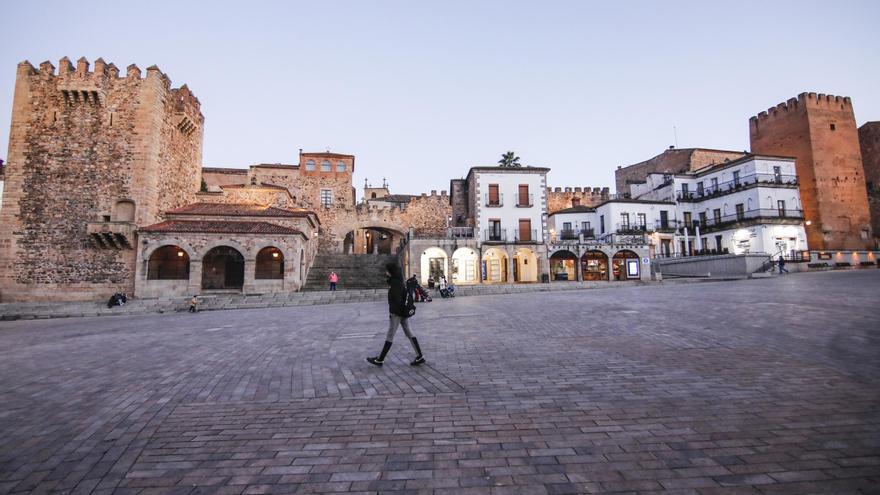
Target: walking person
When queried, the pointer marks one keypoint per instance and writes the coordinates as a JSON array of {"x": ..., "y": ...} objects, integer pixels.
[
  {"x": 333, "y": 279},
  {"x": 194, "y": 304},
  {"x": 398, "y": 316},
  {"x": 782, "y": 265}
]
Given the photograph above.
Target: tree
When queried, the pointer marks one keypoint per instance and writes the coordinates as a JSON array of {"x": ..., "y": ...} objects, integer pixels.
[{"x": 509, "y": 159}]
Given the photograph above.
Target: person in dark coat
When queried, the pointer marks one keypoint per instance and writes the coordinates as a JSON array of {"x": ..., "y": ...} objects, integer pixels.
[{"x": 398, "y": 316}]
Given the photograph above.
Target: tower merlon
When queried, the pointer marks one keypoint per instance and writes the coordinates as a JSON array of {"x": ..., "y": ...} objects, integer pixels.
[
  {"x": 82, "y": 67},
  {"x": 64, "y": 66}
]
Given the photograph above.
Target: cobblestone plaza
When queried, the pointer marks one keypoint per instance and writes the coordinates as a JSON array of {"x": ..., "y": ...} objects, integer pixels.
[{"x": 754, "y": 386}]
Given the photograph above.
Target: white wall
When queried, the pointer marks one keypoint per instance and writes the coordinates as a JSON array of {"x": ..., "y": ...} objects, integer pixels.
[
  {"x": 509, "y": 213},
  {"x": 613, "y": 210}
]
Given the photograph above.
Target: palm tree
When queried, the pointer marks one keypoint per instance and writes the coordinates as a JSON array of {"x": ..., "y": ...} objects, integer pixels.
[{"x": 509, "y": 159}]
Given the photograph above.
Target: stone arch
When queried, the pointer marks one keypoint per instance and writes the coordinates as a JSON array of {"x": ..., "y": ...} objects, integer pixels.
[
  {"x": 465, "y": 266},
  {"x": 434, "y": 261},
  {"x": 594, "y": 265},
  {"x": 168, "y": 262},
  {"x": 269, "y": 263},
  {"x": 495, "y": 261},
  {"x": 525, "y": 265},
  {"x": 154, "y": 245},
  {"x": 563, "y": 265},
  {"x": 622, "y": 264},
  {"x": 223, "y": 268},
  {"x": 226, "y": 242}
]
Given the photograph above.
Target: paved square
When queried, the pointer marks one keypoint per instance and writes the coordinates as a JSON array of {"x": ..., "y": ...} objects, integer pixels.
[{"x": 763, "y": 386}]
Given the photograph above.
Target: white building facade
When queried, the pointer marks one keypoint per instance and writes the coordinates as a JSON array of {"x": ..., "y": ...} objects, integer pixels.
[{"x": 749, "y": 205}]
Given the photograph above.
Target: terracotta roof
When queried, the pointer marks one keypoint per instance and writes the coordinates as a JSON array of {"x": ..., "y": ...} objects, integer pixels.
[
  {"x": 255, "y": 186},
  {"x": 217, "y": 227},
  {"x": 237, "y": 210}
]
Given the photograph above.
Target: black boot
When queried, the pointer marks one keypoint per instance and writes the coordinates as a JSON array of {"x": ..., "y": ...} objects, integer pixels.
[
  {"x": 380, "y": 359},
  {"x": 419, "y": 360}
]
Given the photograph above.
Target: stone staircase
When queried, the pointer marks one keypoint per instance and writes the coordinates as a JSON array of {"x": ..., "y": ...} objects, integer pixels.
[{"x": 356, "y": 271}]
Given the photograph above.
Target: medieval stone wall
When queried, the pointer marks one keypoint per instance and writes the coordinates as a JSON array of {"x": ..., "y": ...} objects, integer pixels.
[
  {"x": 560, "y": 199},
  {"x": 869, "y": 142},
  {"x": 80, "y": 142},
  {"x": 672, "y": 161},
  {"x": 820, "y": 132}
]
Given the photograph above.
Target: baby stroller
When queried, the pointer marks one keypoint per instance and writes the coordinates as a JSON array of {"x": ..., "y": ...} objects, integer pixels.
[
  {"x": 448, "y": 291},
  {"x": 422, "y": 294},
  {"x": 419, "y": 293}
]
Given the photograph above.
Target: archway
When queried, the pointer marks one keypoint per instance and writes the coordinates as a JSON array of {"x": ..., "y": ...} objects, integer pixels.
[
  {"x": 434, "y": 263},
  {"x": 223, "y": 268},
  {"x": 270, "y": 264},
  {"x": 594, "y": 265},
  {"x": 563, "y": 265},
  {"x": 625, "y": 265},
  {"x": 168, "y": 263},
  {"x": 494, "y": 266},
  {"x": 372, "y": 240},
  {"x": 464, "y": 266},
  {"x": 525, "y": 266}
]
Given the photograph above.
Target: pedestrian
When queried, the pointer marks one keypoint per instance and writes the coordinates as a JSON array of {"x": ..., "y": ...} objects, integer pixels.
[
  {"x": 398, "y": 316},
  {"x": 443, "y": 283},
  {"x": 333, "y": 279},
  {"x": 194, "y": 304},
  {"x": 782, "y": 265}
]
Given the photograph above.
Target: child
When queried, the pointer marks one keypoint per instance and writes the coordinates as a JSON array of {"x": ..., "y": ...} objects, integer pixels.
[{"x": 194, "y": 304}]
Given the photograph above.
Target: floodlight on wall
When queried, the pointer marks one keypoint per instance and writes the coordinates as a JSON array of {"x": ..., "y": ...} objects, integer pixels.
[
  {"x": 275, "y": 255},
  {"x": 180, "y": 253}
]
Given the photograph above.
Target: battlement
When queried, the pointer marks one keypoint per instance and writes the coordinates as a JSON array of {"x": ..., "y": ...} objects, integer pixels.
[
  {"x": 103, "y": 76},
  {"x": 587, "y": 190},
  {"x": 802, "y": 101}
]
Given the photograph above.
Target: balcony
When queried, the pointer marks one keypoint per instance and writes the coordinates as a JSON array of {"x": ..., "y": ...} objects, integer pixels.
[
  {"x": 525, "y": 236},
  {"x": 742, "y": 183},
  {"x": 525, "y": 200},
  {"x": 628, "y": 228},
  {"x": 493, "y": 202},
  {"x": 568, "y": 235},
  {"x": 494, "y": 235},
  {"x": 111, "y": 235},
  {"x": 667, "y": 226},
  {"x": 750, "y": 217}
]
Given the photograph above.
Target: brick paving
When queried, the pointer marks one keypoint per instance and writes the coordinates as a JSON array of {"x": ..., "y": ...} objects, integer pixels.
[{"x": 748, "y": 387}]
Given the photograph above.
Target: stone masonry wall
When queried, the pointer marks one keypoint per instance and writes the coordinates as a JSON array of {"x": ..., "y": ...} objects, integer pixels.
[
  {"x": 672, "y": 160},
  {"x": 80, "y": 142},
  {"x": 869, "y": 142},
  {"x": 560, "y": 199},
  {"x": 820, "y": 131}
]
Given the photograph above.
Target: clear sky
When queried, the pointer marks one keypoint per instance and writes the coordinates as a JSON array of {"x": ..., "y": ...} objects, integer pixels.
[{"x": 421, "y": 91}]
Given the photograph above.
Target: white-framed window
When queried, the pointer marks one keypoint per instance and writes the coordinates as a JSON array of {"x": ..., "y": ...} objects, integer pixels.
[
  {"x": 340, "y": 166},
  {"x": 325, "y": 166},
  {"x": 310, "y": 165},
  {"x": 326, "y": 198}
]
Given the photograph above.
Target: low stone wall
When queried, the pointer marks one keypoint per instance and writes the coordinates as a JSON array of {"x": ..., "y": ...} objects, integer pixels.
[{"x": 705, "y": 266}]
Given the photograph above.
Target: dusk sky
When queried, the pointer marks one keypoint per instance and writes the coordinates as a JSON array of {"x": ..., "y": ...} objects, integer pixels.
[{"x": 421, "y": 91}]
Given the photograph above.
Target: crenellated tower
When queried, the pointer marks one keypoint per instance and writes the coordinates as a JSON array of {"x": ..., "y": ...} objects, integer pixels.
[
  {"x": 820, "y": 131},
  {"x": 93, "y": 154}
]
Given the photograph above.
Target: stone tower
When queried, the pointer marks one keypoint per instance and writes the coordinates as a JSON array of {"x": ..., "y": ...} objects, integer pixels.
[
  {"x": 92, "y": 156},
  {"x": 820, "y": 132}
]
